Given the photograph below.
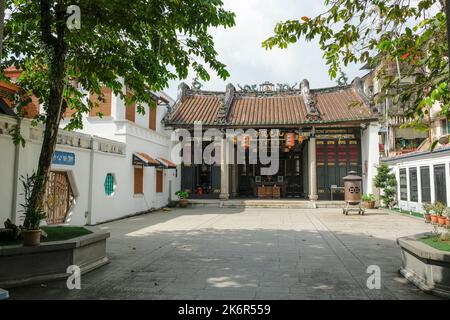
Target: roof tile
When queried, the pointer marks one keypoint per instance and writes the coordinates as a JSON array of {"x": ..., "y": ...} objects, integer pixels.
[{"x": 334, "y": 105}]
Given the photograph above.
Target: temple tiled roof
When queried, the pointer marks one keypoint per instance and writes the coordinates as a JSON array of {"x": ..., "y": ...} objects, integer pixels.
[
  {"x": 273, "y": 108},
  {"x": 198, "y": 107}
]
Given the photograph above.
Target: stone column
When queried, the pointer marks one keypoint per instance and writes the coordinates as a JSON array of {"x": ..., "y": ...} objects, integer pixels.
[
  {"x": 234, "y": 175},
  {"x": 224, "y": 176},
  {"x": 312, "y": 168}
]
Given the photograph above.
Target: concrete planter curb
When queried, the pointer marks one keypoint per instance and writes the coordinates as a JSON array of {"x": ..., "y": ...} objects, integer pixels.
[
  {"x": 425, "y": 266},
  {"x": 21, "y": 265}
]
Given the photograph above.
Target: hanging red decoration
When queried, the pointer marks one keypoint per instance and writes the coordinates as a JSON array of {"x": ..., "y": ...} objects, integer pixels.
[
  {"x": 246, "y": 141},
  {"x": 290, "y": 139}
]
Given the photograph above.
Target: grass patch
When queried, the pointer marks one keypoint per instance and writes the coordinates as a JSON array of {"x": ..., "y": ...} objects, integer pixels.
[
  {"x": 410, "y": 213},
  {"x": 59, "y": 233},
  {"x": 437, "y": 244},
  {"x": 63, "y": 233}
]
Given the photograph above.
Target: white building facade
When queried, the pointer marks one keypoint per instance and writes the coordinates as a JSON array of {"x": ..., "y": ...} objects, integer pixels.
[
  {"x": 118, "y": 165},
  {"x": 422, "y": 177}
]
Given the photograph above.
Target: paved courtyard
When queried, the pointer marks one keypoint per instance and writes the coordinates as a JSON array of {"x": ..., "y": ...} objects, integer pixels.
[{"x": 213, "y": 253}]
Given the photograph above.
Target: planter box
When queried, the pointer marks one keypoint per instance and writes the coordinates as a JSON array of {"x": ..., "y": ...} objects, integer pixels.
[
  {"x": 424, "y": 266},
  {"x": 21, "y": 265}
]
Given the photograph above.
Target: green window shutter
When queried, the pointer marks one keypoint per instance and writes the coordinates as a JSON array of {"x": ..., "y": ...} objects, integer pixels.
[{"x": 109, "y": 184}]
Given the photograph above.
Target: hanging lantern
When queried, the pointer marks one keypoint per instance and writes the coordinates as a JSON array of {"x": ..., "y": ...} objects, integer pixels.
[
  {"x": 301, "y": 139},
  {"x": 246, "y": 141},
  {"x": 290, "y": 139}
]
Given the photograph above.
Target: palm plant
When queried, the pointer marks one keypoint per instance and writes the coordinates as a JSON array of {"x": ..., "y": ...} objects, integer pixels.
[{"x": 33, "y": 217}]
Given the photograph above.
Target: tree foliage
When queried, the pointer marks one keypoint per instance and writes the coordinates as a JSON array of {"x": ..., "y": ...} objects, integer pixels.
[
  {"x": 145, "y": 42},
  {"x": 386, "y": 181},
  {"x": 404, "y": 33}
]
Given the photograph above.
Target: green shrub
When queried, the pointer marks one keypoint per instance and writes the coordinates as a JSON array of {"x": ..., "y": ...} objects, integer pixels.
[
  {"x": 386, "y": 181},
  {"x": 182, "y": 194},
  {"x": 368, "y": 197},
  {"x": 428, "y": 207},
  {"x": 439, "y": 208}
]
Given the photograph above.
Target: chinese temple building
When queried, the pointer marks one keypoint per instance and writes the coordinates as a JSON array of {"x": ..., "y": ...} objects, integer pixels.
[{"x": 323, "y": 134}]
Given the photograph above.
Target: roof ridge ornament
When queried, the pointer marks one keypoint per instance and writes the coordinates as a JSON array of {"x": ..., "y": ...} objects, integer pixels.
[
  {"x": 310, "y": 99},
  {"x": 367, "y": 98},
  {"x": 286, "y": 86},
  {"x": 248, "y": 88},
  {"x": 343, "y": 79},
  {"x": 267, "y": 86},
  {"x": 183, "y": 88},
  {"x": 224, "y": 111},
  {"x": 196, "y": 84}
]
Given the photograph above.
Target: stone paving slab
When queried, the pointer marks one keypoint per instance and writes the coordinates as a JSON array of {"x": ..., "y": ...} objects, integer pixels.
[{"x": 232, "y": 253}]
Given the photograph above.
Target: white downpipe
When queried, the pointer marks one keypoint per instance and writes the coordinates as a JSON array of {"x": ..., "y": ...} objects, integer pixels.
[
  {"x": 91, "y": 182},
  {"x": 15, "y": 178}
]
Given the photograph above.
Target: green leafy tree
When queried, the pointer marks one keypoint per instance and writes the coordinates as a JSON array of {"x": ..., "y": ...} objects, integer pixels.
[
  {"x": 408, "y": 39},
  {"x": 145, "y": 42},
  {"x": 386, "y": 181}
]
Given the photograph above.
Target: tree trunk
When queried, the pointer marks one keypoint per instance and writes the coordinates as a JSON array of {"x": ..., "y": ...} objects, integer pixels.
[
  {"x": 2, "y": 25},
  {"x": 55, "y": 51}
]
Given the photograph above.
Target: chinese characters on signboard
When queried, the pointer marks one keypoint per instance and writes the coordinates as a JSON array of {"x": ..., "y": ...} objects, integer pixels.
[{"x": 64, "y": 158}]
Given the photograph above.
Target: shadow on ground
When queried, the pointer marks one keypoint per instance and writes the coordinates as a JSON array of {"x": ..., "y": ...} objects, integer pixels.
[{"x": 191, "y": 255}]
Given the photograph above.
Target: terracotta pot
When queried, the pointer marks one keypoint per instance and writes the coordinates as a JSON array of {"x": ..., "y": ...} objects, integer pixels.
[
  {"x": 183, "y": 203},
  {"x": 369, "y": 204},
  {"x": 434, "y": 218},
  {"x": 427, "y": 217},
  {"x": 31, "y": 238},
  {"x": 442, "y": 221},
  {"x": 448, "y": 223}
]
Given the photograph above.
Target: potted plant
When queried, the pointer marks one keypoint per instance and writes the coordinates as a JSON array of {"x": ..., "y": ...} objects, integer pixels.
[
  {"x": 183, "y": 195},
  {"x": 31, "y": 226},
  {"x": 439, "y": 210},
  {"x": 369, "y": 201},
  {"x": 427, "y": 207},
  {"x": 448, "y": 218}
]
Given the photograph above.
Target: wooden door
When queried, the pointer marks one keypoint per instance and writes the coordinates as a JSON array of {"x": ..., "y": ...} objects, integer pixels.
[{"x": 58, "y": 197}]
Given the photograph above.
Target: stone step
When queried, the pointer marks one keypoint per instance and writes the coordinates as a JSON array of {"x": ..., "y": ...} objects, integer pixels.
[
  {"x": 273, "y": 204},
  {"x": 269, "y": 204}
]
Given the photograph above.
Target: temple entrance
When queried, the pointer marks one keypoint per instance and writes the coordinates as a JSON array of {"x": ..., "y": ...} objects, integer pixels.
[
  {"x": 288, "y": 182},
  {"x": 326, "y": 153}
]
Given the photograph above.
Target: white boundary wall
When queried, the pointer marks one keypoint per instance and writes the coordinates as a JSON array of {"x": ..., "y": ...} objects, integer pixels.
[
  {"x": 429, "y": 159},
  {"x": 94, "y": 158},
  {"x": 370, "y": 156}
]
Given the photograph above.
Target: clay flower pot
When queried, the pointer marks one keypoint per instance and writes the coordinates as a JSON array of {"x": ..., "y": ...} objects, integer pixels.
[
  {"x": 369, "y": 204},
  {"x": 427, "y": 217},
  {"x": 448, "y": 223},
  {"x": 434, "y": 218},
  {"x": 31, "y": 238},
  {"x": 442, "y": 220},
  {"x": 183, "y": 203}
]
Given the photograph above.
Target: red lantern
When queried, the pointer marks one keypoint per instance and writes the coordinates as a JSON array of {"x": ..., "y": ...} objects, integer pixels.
[
  {"x": 246, "y": 142},
  {"x": 290, "y": 139}
]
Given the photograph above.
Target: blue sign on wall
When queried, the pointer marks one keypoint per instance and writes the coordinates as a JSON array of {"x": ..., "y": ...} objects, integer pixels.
[{"x": 64, "y": 158}]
